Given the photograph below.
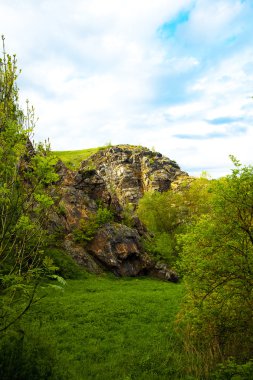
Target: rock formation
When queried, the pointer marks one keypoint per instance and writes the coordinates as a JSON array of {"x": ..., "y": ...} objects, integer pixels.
[
  {"x": 128, "y": 171},
  {"x": 113, "y": 178}
]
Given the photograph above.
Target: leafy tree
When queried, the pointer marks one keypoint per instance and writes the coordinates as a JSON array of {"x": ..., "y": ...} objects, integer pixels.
[
  {"x": 217, "y": 262},
  {"x": 167, "y": 214},
  {"x": 26, "y": 175}
]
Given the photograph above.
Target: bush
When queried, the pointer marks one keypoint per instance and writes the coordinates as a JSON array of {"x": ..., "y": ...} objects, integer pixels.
[
  {"x": 67, "y": 267},
  {"x": 230, "y": 370},
  {"x": 89, "y": 227},
  {"x": 26, "y": 357},
  {"x": 162, "y": 247},
  {"x": 166, "y": 215},
  {"x": 128, "y": 215}
]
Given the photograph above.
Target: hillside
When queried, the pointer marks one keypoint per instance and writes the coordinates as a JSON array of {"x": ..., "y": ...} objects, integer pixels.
[
  {"x": 73, "y": 158},
  {"x": 95, "y": 213}
]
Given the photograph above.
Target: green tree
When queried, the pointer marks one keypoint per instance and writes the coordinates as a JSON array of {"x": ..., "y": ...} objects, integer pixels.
[
  {"x": 217, "y": 262},
  {"x": 26, "y": 175},
  {"x": 167, "y": 214}
]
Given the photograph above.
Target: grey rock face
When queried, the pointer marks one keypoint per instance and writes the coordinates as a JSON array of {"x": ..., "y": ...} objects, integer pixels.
[
  {"x": 113, "y": 177},
  {"x": 129, "y": 173}
]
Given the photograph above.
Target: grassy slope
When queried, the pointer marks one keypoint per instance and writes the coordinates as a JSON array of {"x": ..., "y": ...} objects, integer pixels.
[
  {"x": 107, "y": 328},
  {"x": 73, "y": 158}
]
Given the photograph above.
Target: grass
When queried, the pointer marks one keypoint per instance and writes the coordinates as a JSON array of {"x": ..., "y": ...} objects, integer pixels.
[
  {"x": 107, "y": 328},
  {"x": 73, "y": 158}
]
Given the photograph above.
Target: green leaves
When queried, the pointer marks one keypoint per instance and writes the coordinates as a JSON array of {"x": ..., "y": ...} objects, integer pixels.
[
  {"x": 217, "y": 263},
  {"x": 44, "y": 201},
  {"x": 27, "y": 175},
  {"x": 168, "y": 214},
  {"x": 88, "y": 227}
]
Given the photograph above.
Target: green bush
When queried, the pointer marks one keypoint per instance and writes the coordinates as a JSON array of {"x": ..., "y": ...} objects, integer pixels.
[
  {"x": 162, "y": 247},
  {"x": 27, "y": 357},
  {"x": 230, "y": 370},
  {"x": 168, "y": 214},
  {"x": 86, "y": 231},
  {"x": 128, "y": 215},
  {"x": 103, "y": 216},
  {"x": 67, "y": 267},
  {"x": 88, "y": 227}
]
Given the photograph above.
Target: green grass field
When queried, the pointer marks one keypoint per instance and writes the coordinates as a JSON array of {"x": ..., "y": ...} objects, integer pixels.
[
  {"x": 73, "y": 158},
  {"x": 106, "y": 328}
]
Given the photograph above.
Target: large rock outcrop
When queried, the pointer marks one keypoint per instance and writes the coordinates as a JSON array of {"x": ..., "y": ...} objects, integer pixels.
[
  {"x": 129, "y": 172},
  {"x": 114, "y": 178}
]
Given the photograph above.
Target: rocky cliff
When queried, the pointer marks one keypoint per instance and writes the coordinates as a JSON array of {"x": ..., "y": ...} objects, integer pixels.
[{"x": 114, "y": 178}]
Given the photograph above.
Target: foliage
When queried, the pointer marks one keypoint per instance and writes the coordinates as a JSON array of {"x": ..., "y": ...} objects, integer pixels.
[
  {"x": 26, "y": 175},
  {"x": 162, "y": 246},
  {"x": 128, "y": 214},
  {"x": 167, "y": 214},
  {"x": 66, "y": 266},
  {"x": 217, "y": 262},
  {"x": 230, "y": 370},
  {"x": 88, "y": 227},
  {"x": 156, "y": 210},
  {"x": 24, "y": 356}
]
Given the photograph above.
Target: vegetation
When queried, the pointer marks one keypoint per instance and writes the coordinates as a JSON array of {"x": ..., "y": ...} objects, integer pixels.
[
  {"x": 65, "y": 266},
  {"x": 231, "y": 370},
  {"x": 26, "y": 175},
  {"x": 102, "y": 328},
  {"x": 88, "y": 227},
  {"x": 217, "y": 262},
  {"x": 107, "y": 328},
  {"x": 207, "y": 228},
  {"x": 73, "y": 158},
  {"x": 168, "y": 214}
]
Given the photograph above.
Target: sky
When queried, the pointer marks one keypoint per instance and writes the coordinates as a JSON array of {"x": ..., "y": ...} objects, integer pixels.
[{"x": 171, "y": 75}]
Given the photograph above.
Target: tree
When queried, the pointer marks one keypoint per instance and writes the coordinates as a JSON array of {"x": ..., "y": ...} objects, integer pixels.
[
  {"x": 217, "y": 262},
  {"x": 26, "y": 177},
  {"x": 167, "y": 214}
]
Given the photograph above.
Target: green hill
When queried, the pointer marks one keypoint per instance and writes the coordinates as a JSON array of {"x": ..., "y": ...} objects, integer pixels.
[{"x": 73, "y": 158}]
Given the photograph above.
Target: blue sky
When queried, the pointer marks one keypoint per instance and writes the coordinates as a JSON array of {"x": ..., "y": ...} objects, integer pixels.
[{"x": 176, "y": 76}]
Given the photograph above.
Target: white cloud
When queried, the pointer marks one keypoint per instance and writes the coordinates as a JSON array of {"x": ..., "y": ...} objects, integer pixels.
[
  {"x": 213, "y": 21},
  {"x": 96, "y": 71}
]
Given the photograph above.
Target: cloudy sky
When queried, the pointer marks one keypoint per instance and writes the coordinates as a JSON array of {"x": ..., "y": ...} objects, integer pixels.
[{"x": 174, "y": 75}]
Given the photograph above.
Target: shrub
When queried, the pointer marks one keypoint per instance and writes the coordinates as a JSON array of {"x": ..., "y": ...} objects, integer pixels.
[
  {"x": 88, "y": 227},
  {"x": 161, "y": 247},
  {"x": 67, "y": 267},
  {"x": 128, "y": 214},
  {"x": 230, "y": 370},
  {"x": 27, "y": 357}
]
